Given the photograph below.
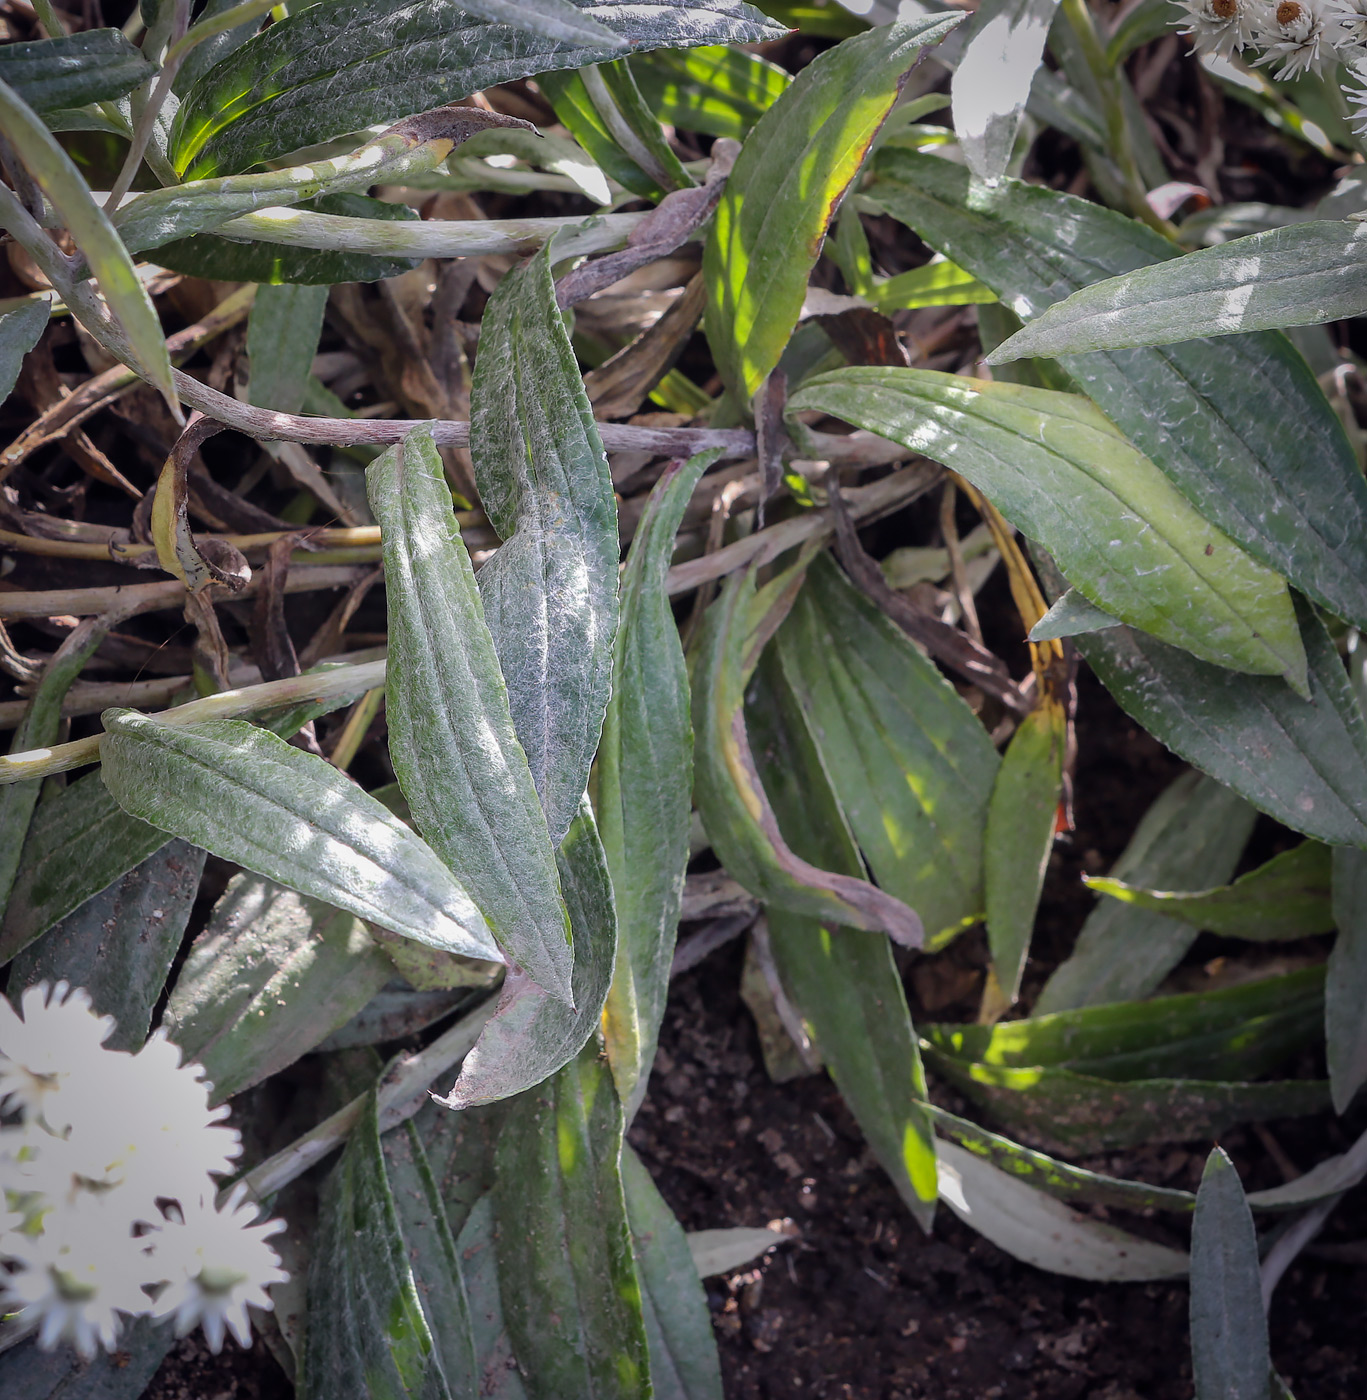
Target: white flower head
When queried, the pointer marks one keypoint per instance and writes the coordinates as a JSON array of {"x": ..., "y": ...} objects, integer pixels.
[
  {"x": 1357, "y": 98},
  {"x": 47, "y": 1045},
  {"x": 76, "y": 1277},
  {"x": 1351, "y": 18},
  {"x": 1300, "y": 34},
  {"x": 1222, "y": 27},
  {"x": 218, "y": 1263}
]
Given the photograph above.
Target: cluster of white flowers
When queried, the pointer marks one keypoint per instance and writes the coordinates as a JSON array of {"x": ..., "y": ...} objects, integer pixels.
[
  {"x": 107, "y": 1165},
  {"x": 1303, "y": 36}
]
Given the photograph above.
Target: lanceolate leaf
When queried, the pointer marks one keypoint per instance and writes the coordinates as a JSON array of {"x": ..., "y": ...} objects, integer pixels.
[
  {"x": 1022, "y": 818},
  {"x": 991, "y": 83},
  {"x": 843, "y": 982},
  {"x": 574, "y": 1314},
  {"x": 247, "y": 796},
  {"x": 1059, "y": 1179},
  {"x": 683, "y": 1349},
  {"x": 345, "y": 64},
  {"x": 550, "y": 592},
  {"x": 1041, "y": 1231},
  {"x": 119, "y": 945},
  {"x": 909, "y": 762},
  {"x": 272, "y": 975},
  {"x": 792, "y": 173},
  {"x": 20, "y": 331},
  {"x": 1209, "y": 1034},
  {"x": 1345, "y": 985},
  {"x": 1303, "y": 762},
  {"x": 726, "y": 787},
  {"x": 719, "y": 91},
  {"x": 282, "y": 339},
  {"x": 1229, "y": 1349},
  {"x": 94, "y": 236},
  {"x": 79, "y": 843},
  {"x": 532, "y": 1034},
  {"x": 495, "y": 1365},
  {"x": 386, "y": 1305},
  {"x": 451, "y": 736},
  {"x": 1303, "y": 275},
  {"x": 73, "y": 69},
  {"x": 1121, "y": 532},
  {"x": 1240, "y": 425},
  {"x": 1192, "y": 834},
  {"x": 644, "y": 785},
  {"x": 557, "y": 20},
  {"x": 1286, "y": 898}
]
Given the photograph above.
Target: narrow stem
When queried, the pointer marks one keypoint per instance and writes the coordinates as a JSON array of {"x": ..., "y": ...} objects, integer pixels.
[{"x": 1117, "y": 123}]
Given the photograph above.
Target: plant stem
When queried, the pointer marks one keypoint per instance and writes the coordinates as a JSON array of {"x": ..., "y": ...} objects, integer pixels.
[{"x": 1117, "y": 124}]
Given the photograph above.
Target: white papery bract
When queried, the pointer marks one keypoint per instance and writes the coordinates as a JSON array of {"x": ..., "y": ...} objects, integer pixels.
[
  {"x": 1350, "y": 16},
  {"x": 1300, "y": 35},
  {"x": 107, "y": 1185},
  {"x": 1222, "y": 27}
]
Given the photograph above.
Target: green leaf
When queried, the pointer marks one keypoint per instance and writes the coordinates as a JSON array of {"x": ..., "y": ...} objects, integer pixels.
[
  {"x": 1210, "y": 1033},
  {"x": 1078, "y": 1115},
  {"x": 272, "y": 976},
  {"x": 20, "y": 330},
  {"x": 1303, "y": 275},
  {"x": 937, "y": 283},
  {"x": 282, "y": 339},
  {"x": 575, "y": 1316},
  {"x": 1229, "y": 1348},
  {"x": 1192, "y": 834},
  {"x": 71, "y": 70},
  {"x": 644, "y": 785},
  {"x": 557, "y": 20},
  {"x": 225, "y": 260},
  {"x": 451, "y": 736},
  {"x": 80, "y": 841},
  {"x": 550, "y": 592},
  {"x": 532, "y": 1034},
  {"x": 727, "y": 789},
  {"x": 1303, "y": 762},
  {"x": 791, "y": 175},
  {"x": 1345, "y": 986},
  {"x": 1022, "y": 818},
  {"x": 135, "y": 319},
  {"x": 683, "y": 1349},
  {"x": 384, "y": 1292},
  {"x": 1059, "y": 1179},
  {"x": 495, "y": 1364},
  {"x": 1122, "y": 533},
  {"x": 843, "y": 982},
  {"x": 1286, "y": 898},
  {"x": 1240, "y": 425},
  {"x": 718, "y": 90},
  {"x": 1141, "y": 24},
  {"x": 910, "y": 764},
  {"x": 216, "y": 47},
  {"x": 119, "y": 945},
  {"x": 247, "y": 796},
  {"x": 1071, "y": 616},
  {"x": 345, "y": 64},
  {"x": 1039, "y": 1230},
  {"x": 1003, "y": 48}
]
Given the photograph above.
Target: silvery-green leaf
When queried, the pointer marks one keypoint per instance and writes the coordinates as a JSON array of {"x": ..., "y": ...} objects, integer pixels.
[
  {"x": 451, "y": 736},
  {"x": 247, "y": 796},
  {"x": 722, "y": 1251},
  {"x": 1042, "y": 1231},
  {"x": 1229, "y": 1348},
  {"x": 1345, "y": 987},
  {"x": 532, "y": 1034},
  {"x": 270, "y": 977},
  {"x": 120, "y": 943},
  {"x": 341, "y": 65},
  {"x": 644, "y": 785},
  {"x": 1303, "y": 275},
  {"x": 20, "y": 331},
  {"x": 282, "y": 339},
  {"x": 72, "y": 70},
  {"x": 1071, "y": 615},
  {"x": 550, "y": 592}
]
